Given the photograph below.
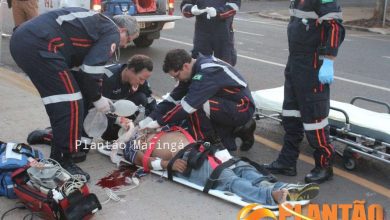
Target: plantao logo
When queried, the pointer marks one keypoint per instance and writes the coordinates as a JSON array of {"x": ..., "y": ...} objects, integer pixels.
[{"x": 358, "y": 210}]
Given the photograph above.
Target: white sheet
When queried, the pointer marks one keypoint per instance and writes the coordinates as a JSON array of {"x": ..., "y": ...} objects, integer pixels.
[{"x": 272, "y": 100}]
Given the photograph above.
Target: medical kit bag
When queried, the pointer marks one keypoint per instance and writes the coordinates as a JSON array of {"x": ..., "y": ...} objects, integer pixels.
[
  {"x": 12, "y": 157},
  {"x": 54, "y": 193}
]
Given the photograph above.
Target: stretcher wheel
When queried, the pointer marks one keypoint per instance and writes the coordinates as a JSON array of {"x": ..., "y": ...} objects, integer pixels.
[{"x": 350, "y": 163}]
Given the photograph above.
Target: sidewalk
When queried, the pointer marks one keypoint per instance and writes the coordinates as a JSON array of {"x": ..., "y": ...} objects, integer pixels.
[{"x": 350, "y": 13}]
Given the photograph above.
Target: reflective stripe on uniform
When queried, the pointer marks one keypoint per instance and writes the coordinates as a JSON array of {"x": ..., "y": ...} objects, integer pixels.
[
  {"x": 93, "y": 69},
  {"x": 313, "y": 15},
  {"x": 170, "y": 99},
  {"x": 187, "y": 107},
  {"x": 303, "y": 14},
  {"x": 234, "y": 6},
  {"x": 291, "y": 113},
  {"x": 206, "y": 108},
  {"x": 74, "y": 15},
  {"x": 315, "y": 126},
  {"x": 108, "y": 73},
  {"x": 62, "y": 98},
  {"x": 226, "y": 70}
]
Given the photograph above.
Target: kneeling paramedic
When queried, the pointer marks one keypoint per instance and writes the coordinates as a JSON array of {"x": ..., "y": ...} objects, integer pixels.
[
  {"x": 211, "y": 95},
  {"x": 48, "y": 46},
  {"x": 120, "y": 81},
  {"x": 315, "y": 33}
]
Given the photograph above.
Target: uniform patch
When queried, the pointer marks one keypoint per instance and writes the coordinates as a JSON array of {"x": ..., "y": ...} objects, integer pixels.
[
  {"x": 326, "y": 1},
  {"x": 197, "y": 77}
]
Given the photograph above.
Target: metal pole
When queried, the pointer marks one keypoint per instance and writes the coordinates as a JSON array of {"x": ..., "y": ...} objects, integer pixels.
[
  {"x": 384, "y": 14},
  {"x": 1, "y": 27}
]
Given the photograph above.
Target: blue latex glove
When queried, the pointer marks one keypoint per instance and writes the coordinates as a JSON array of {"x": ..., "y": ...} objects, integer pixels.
[{"x": 326, "y": 73}]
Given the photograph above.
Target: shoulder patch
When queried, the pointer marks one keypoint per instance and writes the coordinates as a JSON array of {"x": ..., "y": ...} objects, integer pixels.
[
  {"x": 326, "y": 1},
  {"x": 197, "y": 77}
]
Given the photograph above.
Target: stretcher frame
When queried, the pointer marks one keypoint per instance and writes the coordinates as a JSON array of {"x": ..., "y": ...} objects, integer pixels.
[
  {"x": 357, "y": 145},
  {"x": 225, "y": 195}
]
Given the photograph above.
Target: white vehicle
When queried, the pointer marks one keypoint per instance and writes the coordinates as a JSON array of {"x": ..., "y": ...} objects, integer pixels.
[{"x": 152, "y": 15}]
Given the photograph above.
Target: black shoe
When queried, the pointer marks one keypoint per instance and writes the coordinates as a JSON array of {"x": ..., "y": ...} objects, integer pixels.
[
  {"x": 73, "y": 169},
  {"x": 78, "y": 157},
  {"x": 299, "y": 192},
  {"x": 246, "y": 134},
  {"x": 319, "y": 175},
  {"x": 277, "y": 168},
  {"x": 40, "y": 137}
]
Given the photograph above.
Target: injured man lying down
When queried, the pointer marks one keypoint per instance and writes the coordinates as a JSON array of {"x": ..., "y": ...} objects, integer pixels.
[{"x": 173, "y": 149}]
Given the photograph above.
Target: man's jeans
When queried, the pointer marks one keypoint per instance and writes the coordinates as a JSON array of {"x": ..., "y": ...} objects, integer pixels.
[{"x": 241, "y": 179}]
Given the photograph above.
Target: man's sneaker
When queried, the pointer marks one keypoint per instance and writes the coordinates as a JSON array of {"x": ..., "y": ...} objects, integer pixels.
[
  {"x": 40, "y": 137},
  {"x": 298, "y": 192},
  {"x": 73, "y": 169},
  {"x": 277, "y": 168},
  {"x": 319, "y": 175}
]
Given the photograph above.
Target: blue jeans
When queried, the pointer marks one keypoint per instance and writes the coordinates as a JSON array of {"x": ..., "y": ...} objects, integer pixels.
[{"x": 242, "y": 179}]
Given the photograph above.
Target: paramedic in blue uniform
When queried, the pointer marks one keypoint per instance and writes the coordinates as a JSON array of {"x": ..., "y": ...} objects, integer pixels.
[
  {"x": 120, "y": 81},
  {"x": 210, "y": 94},
  {"x": 315, "y": 34},
  {"x": 125, "y": 81},
  {"x": 48, "y": 46},
  {"x": 214, "y": 33}
]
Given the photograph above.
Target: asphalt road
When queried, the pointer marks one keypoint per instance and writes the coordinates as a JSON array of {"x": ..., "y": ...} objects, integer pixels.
[{"x": 362, "y": 69}]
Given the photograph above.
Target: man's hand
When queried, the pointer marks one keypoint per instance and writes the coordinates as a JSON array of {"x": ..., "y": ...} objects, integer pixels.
[
  {"x": 326, "y": 74},
  {"x": 103, "y": 104},
  {"x": 195, "y": 10},
  {"x": 143, "y": 123},
  {"x": 211, "y": 12},
  {"x": 179, "y": 165},
  {"x": 123, "y": 122}
]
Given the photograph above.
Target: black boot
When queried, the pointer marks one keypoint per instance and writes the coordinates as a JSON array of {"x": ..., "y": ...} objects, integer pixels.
[
  {"x": 81, "y": 155},
  {"x": 40, "y": 137},
  {"x": 246, "y": 134},
  {"x": 319, "y": 175},
  {"x": 65, "y": 160},
  {"x": 278, "y": 168}
]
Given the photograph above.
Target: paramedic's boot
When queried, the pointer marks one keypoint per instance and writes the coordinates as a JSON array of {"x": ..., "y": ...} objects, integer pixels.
[
  {"x": 319, "y": 175},
  {"x": 278, "y": 168},
  {"x": 67, "y": 163},
  {"x": 246, "y": 133},
  {"x": 40, "y": 136}
]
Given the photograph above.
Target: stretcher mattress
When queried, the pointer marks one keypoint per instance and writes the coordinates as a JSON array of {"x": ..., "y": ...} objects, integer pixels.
[
  {"x": 364, "y": 122},
  {"x": 227, "y": 196}
]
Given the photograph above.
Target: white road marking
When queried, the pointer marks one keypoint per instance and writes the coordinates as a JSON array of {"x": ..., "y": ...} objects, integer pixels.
[
  {"x": 243, "y": 32},
  {"x": 260, "y": 22},
  {"x": 388, "y": 57},
  {"x": 283, "y": 65}
]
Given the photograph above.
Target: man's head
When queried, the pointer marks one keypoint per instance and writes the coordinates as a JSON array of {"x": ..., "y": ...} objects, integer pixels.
[
  {"x": 178, "y": 64},
  {"x": 128, "y": 29},
  {"x": 139, "y": 68}
]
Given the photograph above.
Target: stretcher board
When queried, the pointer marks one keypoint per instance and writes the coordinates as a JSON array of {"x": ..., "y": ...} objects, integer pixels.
[
  {"x": 227, "y": 196},
  {"x": 365, "y": 122}
]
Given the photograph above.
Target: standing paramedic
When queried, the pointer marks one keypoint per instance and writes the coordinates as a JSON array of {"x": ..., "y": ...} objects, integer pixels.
[
  {"x": 211, "y": 95},
  {"x": 315, "y": 33},
  {"x": 214, "y": 33},
  {"x": 47, "y": 47}
]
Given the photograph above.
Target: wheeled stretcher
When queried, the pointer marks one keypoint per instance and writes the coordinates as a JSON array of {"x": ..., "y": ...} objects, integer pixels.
[{"x": 363, "y": 132}]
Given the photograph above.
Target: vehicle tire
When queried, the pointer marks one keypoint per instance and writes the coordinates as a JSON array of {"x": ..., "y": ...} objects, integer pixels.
[
  {"x": 350, "y": 163},
  {"x": 143, "y": 41}
]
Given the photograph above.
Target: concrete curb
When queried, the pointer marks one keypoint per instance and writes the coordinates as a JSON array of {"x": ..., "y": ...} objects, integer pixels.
[{"x": 348, "y": 27}]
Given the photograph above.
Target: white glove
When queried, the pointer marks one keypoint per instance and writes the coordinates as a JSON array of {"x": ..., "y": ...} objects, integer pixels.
[
  {"x": 103, "y": 104},
  {"x": 143, "y": 123},
  {"x": 195, "y": 10},
  {"x": 211, "y": 12},
  {"x": 153, "y": 125}
]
